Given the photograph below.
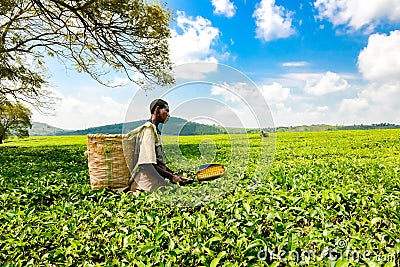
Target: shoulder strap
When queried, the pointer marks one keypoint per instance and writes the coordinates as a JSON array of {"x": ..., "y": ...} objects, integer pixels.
[{"x": 134, "y": 133}]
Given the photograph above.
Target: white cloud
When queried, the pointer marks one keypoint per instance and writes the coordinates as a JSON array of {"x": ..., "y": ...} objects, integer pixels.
[
  {"x": 291, "y": 109},
  {"x": 224, "y": 7},
  {"x": 192, "y": 39},
  {"x": 328, "y": 83},
  {"x": 352, "y": 106},
  {"x": 275, "y": 92},
  {"x": 239, "y": 92},
  {"x": 248, "y": 102},
  {"x": 295, "y": 64},
  {"x": 375, "y": 104},
  {"x": 287, "y": 109},
  {"x": 358, "y": 14},
  {"x": 380, "y": 59},
  {"x": 120, "y": 81},
  {"x": 76, "y": 113},
  {"x": 195, "y": 70},
  {"x": 230, "y": 92},
  {"x": 356, "y": 100},
  {"x": 378, "y": 101},
  {"x": 299, "y": 79},
  {"x": 273, "y": 22},
  {"x": 384, "y": 95},
  {"x": 302, "y": 114},
  {"x": 302, "y": 76},
  {"x": 322, "y": 108},
  {"x": 218, "y": 111}
]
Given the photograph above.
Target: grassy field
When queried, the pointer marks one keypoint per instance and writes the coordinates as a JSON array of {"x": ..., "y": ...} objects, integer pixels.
[
  {"x": 46, "y": 141},
  {"x": 327, "y": 199}
]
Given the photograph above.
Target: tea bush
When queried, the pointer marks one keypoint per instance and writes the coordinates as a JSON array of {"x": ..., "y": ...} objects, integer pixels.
[{"x": 328, "y": 199}]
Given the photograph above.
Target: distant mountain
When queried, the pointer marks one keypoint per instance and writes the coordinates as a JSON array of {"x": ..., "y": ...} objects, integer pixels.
[
  {"x": 39, "y": 128},
  {"x": 174, "y": 126},
  {"x": 326, "y": 127},
  {"x": 178, "y": 126},
  {"x": 106, "y": 129}
]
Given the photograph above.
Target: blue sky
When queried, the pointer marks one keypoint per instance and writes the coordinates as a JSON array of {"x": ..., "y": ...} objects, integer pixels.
[{"x": 311, "y": 62}]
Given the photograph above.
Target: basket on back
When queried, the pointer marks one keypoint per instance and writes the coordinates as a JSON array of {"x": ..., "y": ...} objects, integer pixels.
[{"x": 110, "y": 160}]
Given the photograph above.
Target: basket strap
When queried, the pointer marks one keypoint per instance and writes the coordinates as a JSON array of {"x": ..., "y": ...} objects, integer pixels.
[
  {"x": 136, "y": 148},
  {"x": 139, "y": 133},
  {"x": 107, "y": 152}
]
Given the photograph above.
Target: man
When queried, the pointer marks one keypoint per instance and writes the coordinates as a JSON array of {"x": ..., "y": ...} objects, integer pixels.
[{"x": 152, "y": 162}]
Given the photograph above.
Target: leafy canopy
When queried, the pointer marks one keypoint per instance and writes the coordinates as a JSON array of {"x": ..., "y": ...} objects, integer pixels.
[
  {"x": 14, "y": 119},
  {"x": 97, "y": 36}
]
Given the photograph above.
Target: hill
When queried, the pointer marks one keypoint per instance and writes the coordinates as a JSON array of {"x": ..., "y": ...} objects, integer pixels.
[
  {"x": 313, "y": 128},
  {"x": 39, "y": 128},
  {"x": 175, "y": 126},
  {"x": 178, "y": 126},
  {"x": 326, "y": 127}
]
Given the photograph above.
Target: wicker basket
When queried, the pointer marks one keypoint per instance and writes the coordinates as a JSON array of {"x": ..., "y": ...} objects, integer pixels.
[{"x": 109, "y": 161}]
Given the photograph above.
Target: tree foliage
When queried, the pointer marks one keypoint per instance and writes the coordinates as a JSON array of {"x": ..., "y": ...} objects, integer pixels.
[
  {"x": 97, "y": 36},
  {"x": 14, "y": 119}
]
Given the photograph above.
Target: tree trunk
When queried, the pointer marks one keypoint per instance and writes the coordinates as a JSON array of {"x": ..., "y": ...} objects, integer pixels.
[{"x": 2, "y": 134}]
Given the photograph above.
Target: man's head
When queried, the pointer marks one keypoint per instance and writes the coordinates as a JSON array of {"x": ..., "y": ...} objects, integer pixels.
[
  {"x": 157, "y": 103},
  {"x": 159, "y": 110}
]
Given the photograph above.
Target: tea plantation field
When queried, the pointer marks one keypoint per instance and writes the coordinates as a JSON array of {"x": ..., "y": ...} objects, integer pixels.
[{"x": 326, "y": 199}]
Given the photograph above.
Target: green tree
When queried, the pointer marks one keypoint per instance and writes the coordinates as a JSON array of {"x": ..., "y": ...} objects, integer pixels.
[
  {"x": 97, "y": 36},
  {"x": 15, "y": 119}
]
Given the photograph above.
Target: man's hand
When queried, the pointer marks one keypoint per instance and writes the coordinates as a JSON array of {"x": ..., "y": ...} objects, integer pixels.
[
  {"x": 185, "y": 181},
  {"x": 176, "y": 179}
]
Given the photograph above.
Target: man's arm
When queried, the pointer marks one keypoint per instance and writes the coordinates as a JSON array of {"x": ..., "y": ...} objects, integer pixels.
[
  {"x": 156, "y": 170},
  {"x": 164, "y": 169}
]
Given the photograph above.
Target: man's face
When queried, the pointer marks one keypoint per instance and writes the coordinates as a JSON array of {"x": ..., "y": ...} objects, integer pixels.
[{"x": 164, "y": 114}]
